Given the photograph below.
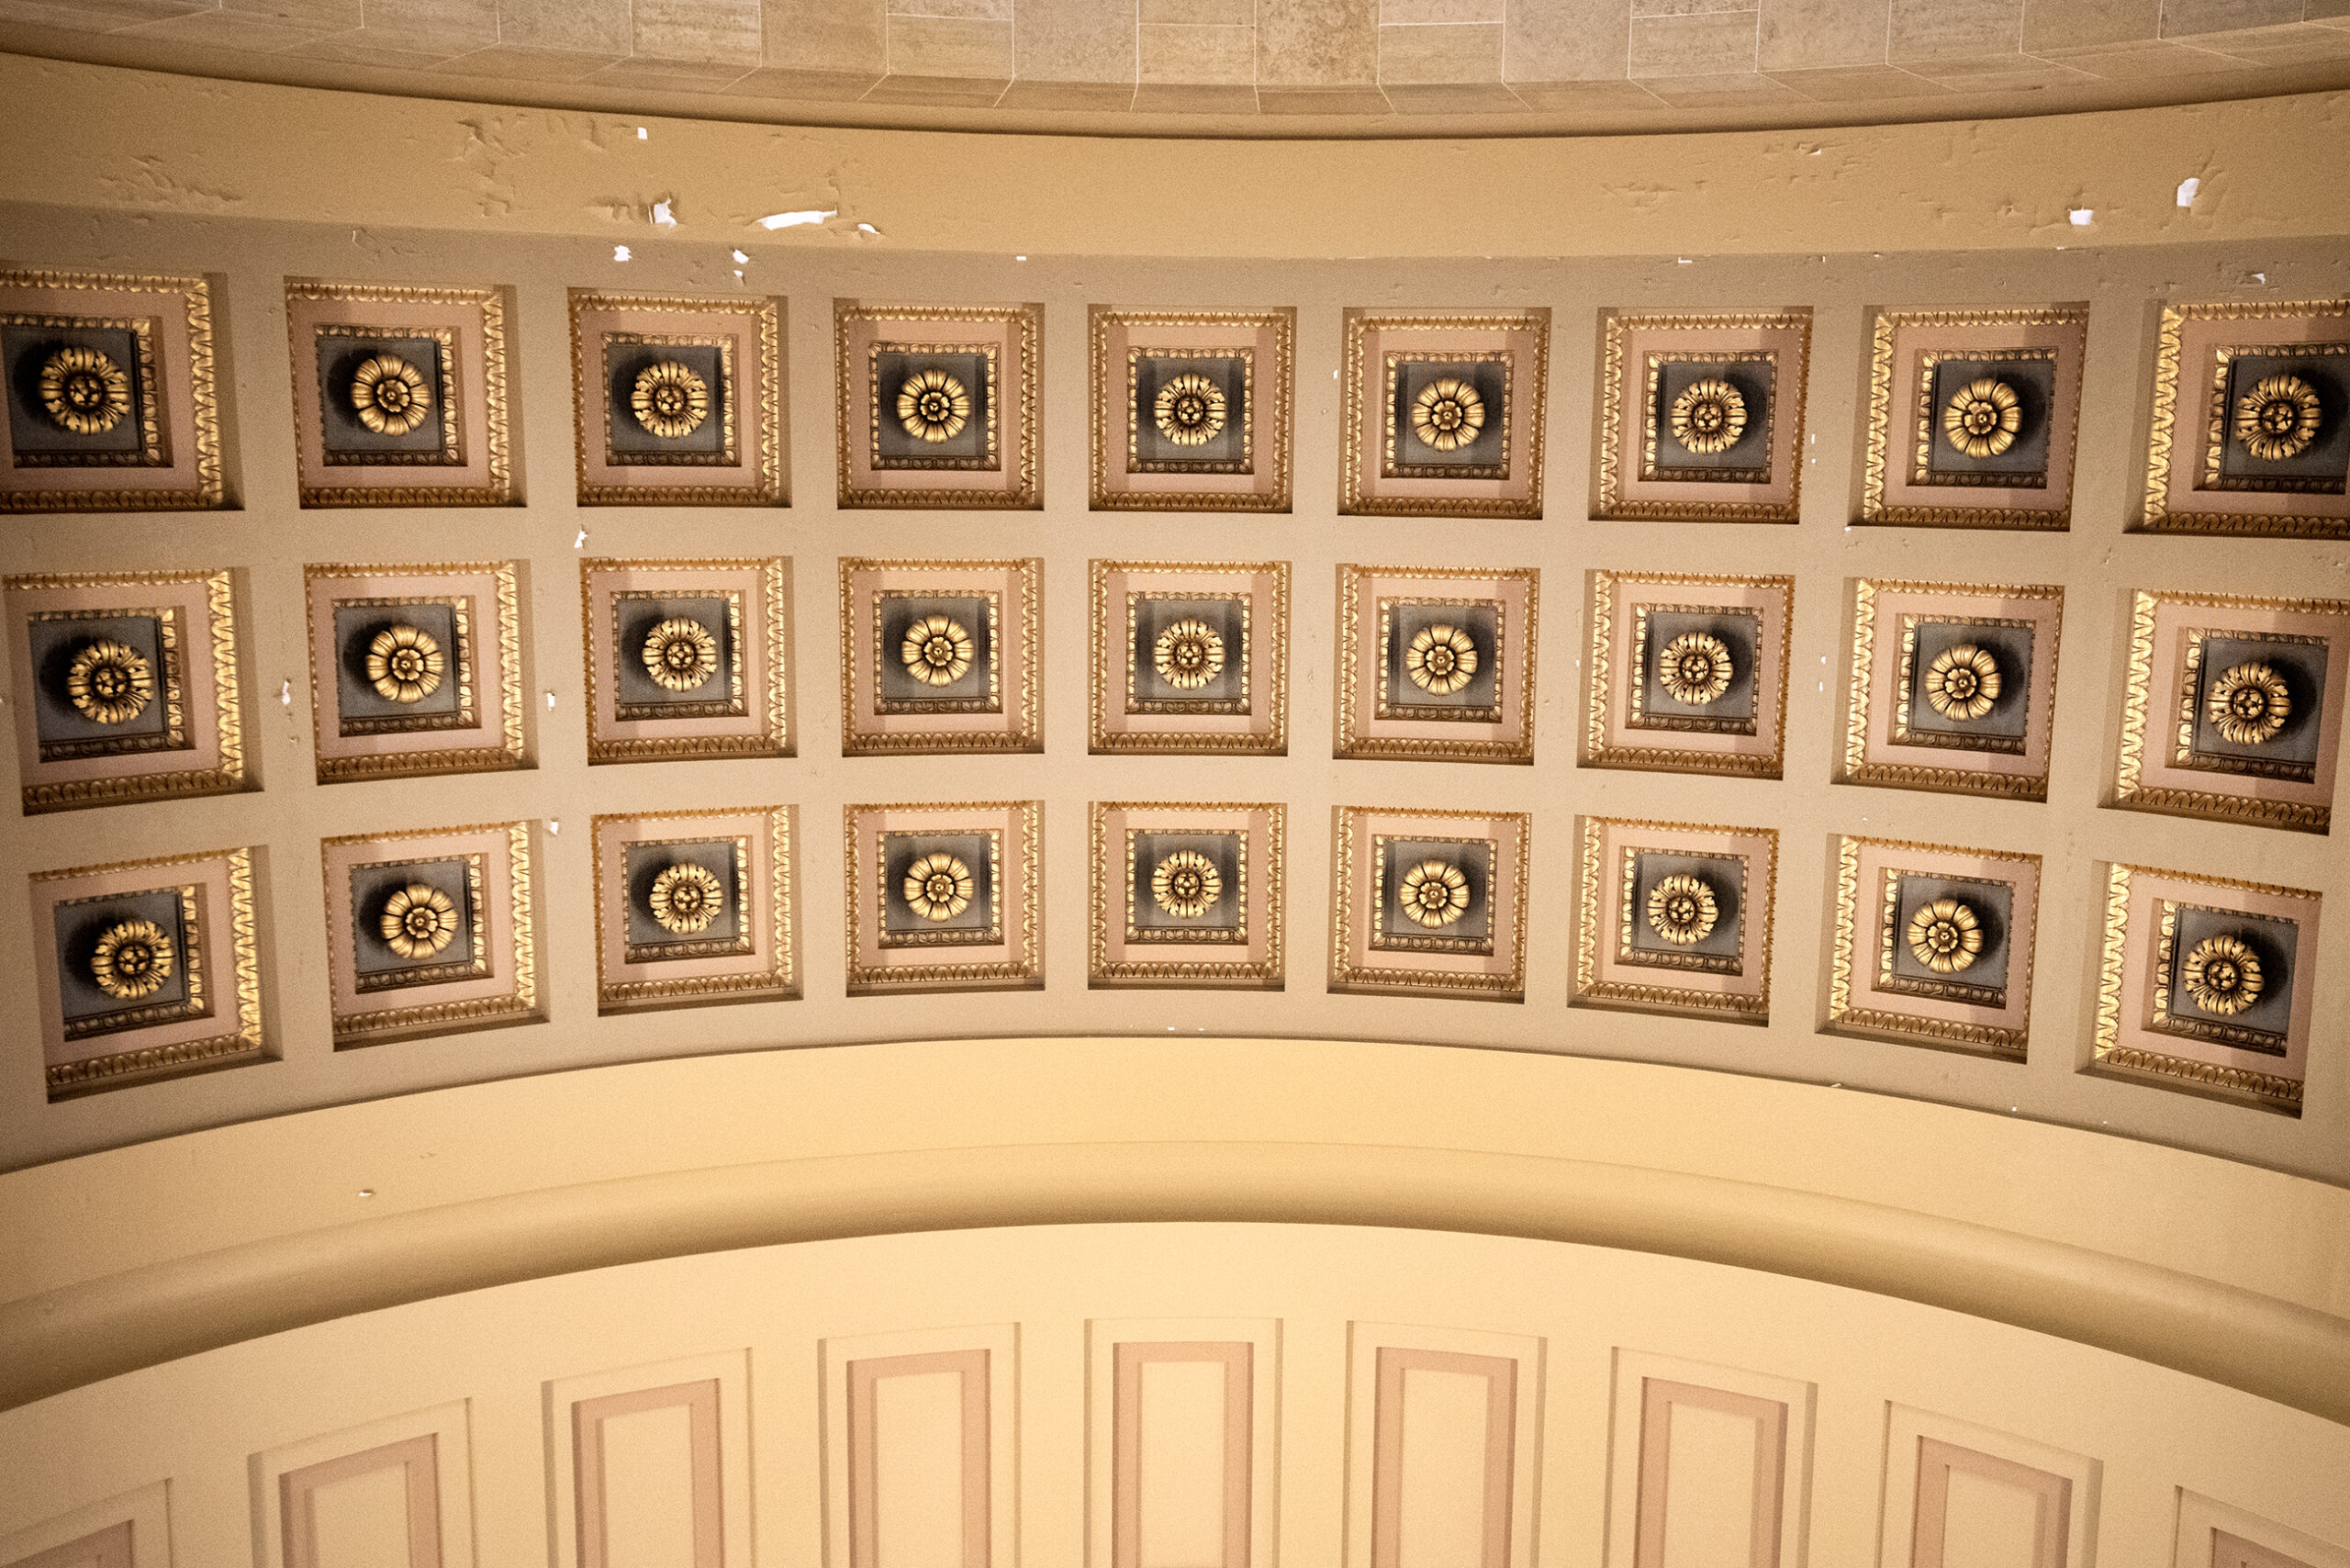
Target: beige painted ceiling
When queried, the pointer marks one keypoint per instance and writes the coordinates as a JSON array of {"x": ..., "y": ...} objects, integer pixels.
[{"x": 1239, "y": 67}]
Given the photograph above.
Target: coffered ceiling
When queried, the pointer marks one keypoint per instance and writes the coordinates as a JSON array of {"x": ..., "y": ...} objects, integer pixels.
[{"x": 1239, "y": 67}]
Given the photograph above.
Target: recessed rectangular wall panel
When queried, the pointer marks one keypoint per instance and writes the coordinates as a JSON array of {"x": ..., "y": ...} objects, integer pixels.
[
  {"x": 649, "y": 1466},
  {"x": 1958, "y": 1495},
  {"x": 1709, "y": 1465},
  {"x": 1180, "y": 1443},
  {"x": 132, "y": 1531},
  {"x": 921, "y": 1439},
  {"x": 395, "y": 1493},
  {"x": 1442, "y": 1452},
  {"x": 2212, "y": 1534}
]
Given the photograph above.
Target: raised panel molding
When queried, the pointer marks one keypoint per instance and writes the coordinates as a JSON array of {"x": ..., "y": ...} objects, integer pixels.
[
  {"x": 132, "y": 1531},
  {"x": 1183, "y": 1442},
  {"x": 906, "y": 1417},
  {"x": 1707, "y": 1465},
  {"x": 1443, "y": 1441},
  {"x": 394, "y": 1494},
  {"x": 649, "y": 1466},
  {"x": 1958, "y": 1495},
  {"x": 2212, "y": 1534}
]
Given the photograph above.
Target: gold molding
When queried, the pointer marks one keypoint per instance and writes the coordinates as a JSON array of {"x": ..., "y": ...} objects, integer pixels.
[
  {"x": 1273, "y": 438},
  {"x": 2131, "y": 790},
  {"x": 1600, "y": 697},
  {"x": 1883, "y": 334},
  {"x": 1268, "y": 578},
  {"x": 1265, "y": 973},
  {"x": 769, "y": 486},
  {"x": 1351, "y": 743},
  {"x": 229, "y": 774},
  {"x": 1027, "y": 324},
  {"x": 498, "y": 489},
  {"x": 506, "y": 753},
  {"x": 1507, "y": 986},
  {"x": 520, "y": 1003},
  {"x": 244, "y": 1040},
  {"x": 1029, "y": 737},
  {"x": 210, "y": 491},
  {"x": 778, "y": 981},
  {"x": 1846, "y": 1014},
  {"x": 2268, "y": 1091},
  {"x": 2163, "y": 432},
  {"x": 775, "y": 738},
  {"x": 1612, "y": 503},
  {"x": 883, "y": 979},
  {"x": 1858, "y": 769},
  {"x": 1592, "y": 878},
  {"x": 1359, "y": 325}
]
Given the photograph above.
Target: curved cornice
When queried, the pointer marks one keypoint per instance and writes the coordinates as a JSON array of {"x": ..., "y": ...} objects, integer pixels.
[{"x": 142, "y": 1255}]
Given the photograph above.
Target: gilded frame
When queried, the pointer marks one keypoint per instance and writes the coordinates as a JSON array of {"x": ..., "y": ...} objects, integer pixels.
[
  {"x": 2155, "y": 723},
  {"x": 1269, "y": 349},
  {"x": 518, "y": 1001},
  {"x": 1951, "y": 1015},
  {"x": 1256, "y": 723},
  {"x": 1016, "y": 725},
  {"x": 1607, "y": 741},
  {"x": 1497, "y": 977},
  {"x": 215, "y": 645},
  {"x": 235, "y": 970},
  {"x": 1622, "y": 332},
  {"x": 506, "y": 749},
  {"x": 482, "y": 309},
  {"x": 1889, "y": 452},
  {"x": 1368, "y": 726},
  {"x": 1175, "y": 960},
  {"x": 1021, "y": 966},
  {"x": 2126, "y": 1047},
  {"x": 772, "y": 977},
  {"x": 734, "y": 578},
  {"x": 1517, "y": 333},
  {"x": 1861, "y": 762},
  {"x": 1606, "y": 872},
  {"x": 202, "y": 467},
  {"x": 858, "y": 411},
  {"x": 766, "y": 433},
  {"x": 2172, "y": 425}
]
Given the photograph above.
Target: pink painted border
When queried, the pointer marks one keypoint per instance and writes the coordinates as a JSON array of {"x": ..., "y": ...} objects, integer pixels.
[
  {"x": 1875, "y": 858},
  {"x": 2142, "y": 925},
  {"x": 2200, "y": 339},
  {"x": 167, "y": 308},
  {"x": 1268, "y": 716},
  {"x": 752, "y": 397},
  {"x": 1659, "y": 1397},
  {"x": 601, "y": 580},
  {"x": 1358, "y": 721},
  {"x": 1121, "y": 332},
  {"x": 304, "y": 316},
  {"x": 864, "y": 1436},
  {"x": 1237, "y": 1358},
  {"x": 1019, "y": 727},
  {"x": 1759, "y": 848},
  {"x": 587, "y": 1418},
  {"x": 1500, "y": 1374},
  {"x": 1021, "y": 327},
  {"x": 1789, "y": 395},
  {"x": 419, "y": 1457},
  {"x": 2069, "y": 339},
  {"x": 1937, "y": 1459}
]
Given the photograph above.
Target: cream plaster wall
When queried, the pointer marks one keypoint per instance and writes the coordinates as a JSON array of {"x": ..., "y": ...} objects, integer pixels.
[{"x": 196, "y": 1422}]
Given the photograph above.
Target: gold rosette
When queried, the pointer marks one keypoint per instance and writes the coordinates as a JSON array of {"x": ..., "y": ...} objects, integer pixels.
[
  {"x": 1694, "y": 668},
  {"x": 82, "y": 390},
  {"x": 933, "y": 406},
  {"x": 109, "y": 682},
  {"x": 389, "y": 395},
  {"x": 1682, "y": 909},
  {"x": 684, "y": 898},
  {"x": 936, "y": 651},
  {"x": 938, "y": 886},
  {"x": 669, "y": 400},
  {"x": 132, "y": 958},
  {"x": 2278, "y": 418},
  {"x": 1983, "y": 418},
  {"x": 1433, "y": 893},
  {"x": 681, "y": 654},
  {"x": 2248, "y": 705},
  {"x": 1448, "y": 414},
  {"x": 2222, "y": 976},
  {"x": 1708, "y": 417},
  {"x": 1945, "y": 936},
  {"x": 1963, "y": 682},
  {"x": 418, "y": 919},
  {"x": 1440, "y": 659},
  {"x": 405, "y": 664},
  {"x": 1186, "y": 884},
  {"x": 1187, "y": 654},
  {"x": 1189, "y": 409}
]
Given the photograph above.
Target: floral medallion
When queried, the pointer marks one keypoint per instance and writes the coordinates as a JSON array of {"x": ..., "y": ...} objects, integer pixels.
[
  {"x": 1681, "y": 910},
  {"x": 1708, "y": 417},
  {"x": 2248, "y": 705},
  {"x": 1448, "y": 414},
  {"x": 1433, "y": 893},
  {"x": 1962, "y": 683},
  {"x": 681, "y": 654},
  {"x": 684, "y": 898},
  {"x": 2221, "y": 975},
  {"x": 1945, "y": 936},
  {"x": 1440, "y": 659},
  {"x": 389, "y": 395},
  {"x": 1187, "y": 654},
  {"x": 1189, "y": 411},
  {"x": 938, "y": 886},
  {"x": 936, "y": 650},
  {"x": 1694, "y": 668},
  {"x": 83, "y": 391},
  {"x": 405, "y": 664},
  {"x": 418, "y": 919},
  {"x": 1983, "y": 419},
  {"x": 1186, "y": 884},
  {"x": 2278, "y": 418},
  {"x": 109, "y": 682},
  {"x": 131, "y": 960},
  {"x": 933, "y": 406},
  {"x": 669, "y": 400}
]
